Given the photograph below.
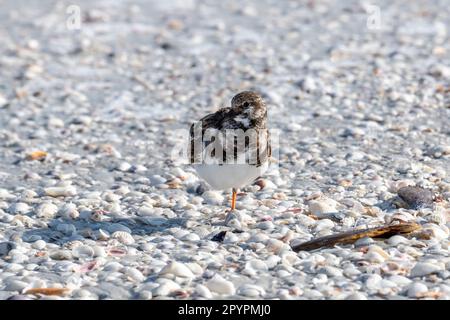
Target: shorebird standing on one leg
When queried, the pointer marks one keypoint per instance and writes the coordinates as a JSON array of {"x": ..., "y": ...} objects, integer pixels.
[{"x": 231, "y": 147}]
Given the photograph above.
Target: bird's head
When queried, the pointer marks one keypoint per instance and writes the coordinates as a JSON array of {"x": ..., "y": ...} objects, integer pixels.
[{"x": 250, "y": 103}]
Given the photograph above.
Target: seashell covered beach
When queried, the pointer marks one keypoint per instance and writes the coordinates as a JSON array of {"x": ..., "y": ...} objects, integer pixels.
[{"x": 96, "y": 100}]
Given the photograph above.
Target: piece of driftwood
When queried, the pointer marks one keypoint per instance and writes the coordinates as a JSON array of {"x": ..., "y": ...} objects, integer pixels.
[{"x": 351, "y": 236}]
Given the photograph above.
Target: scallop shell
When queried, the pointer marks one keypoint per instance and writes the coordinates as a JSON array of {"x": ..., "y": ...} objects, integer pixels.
[
  {"x": 401, "y": 216},
  {"x": 123, "y": 237},
  {"x": 102, "y": 235},
  {"x": 23, "y": 220}
]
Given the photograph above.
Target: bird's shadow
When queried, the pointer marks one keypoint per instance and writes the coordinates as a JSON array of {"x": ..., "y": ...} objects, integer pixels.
[
  {"x": 82, "y": 229},
  {"x": 388, "y": 205}
]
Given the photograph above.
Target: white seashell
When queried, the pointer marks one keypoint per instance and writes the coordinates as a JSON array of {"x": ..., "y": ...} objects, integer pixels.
[
  {"x": 424, "y": 268},
  {"x": 177, "y": 269},
  {"x": 252, "y": 267},
  {"x": 114, "y": 208},
  {"x": 276, "y": 246},
  {"x": 251, "y": 291},
  {"x": 396, "y": 240},
  {"x": 348, "y": 221},
  {"x": 5, "y": 195},
  {"x": 179, "y": 173},
  {"x": 439, "y": 232},
  {"x": 15, "y": 285},
  {"x": 289, "y": 258},
  {"x": 356, "y": 296},
  {"x": 351, "y": 271},
  {"x": 111, "y": 197},
  {"x": 39, "y": 245},
  {"x": 366, "y": 241},
  {"x": 123, "y": 236},
  {"x": 122, "y": 190},
  {"x": 324, "y": 224},
  {"x": 219, "y": 285},
  {"x": 46, "y": 210},
  {"x": 21, "y": 220},
  {"x": 69, "y": 211},
  {"x": 3, "y": 101},
  {"x": 438, "y": 217},
  {"x": 165, "y": 288},
  {"x": 232, "y": 220},
  {"x": 416, "y": 289},
  {"x": 113, "y": 266},
  {"x": 401, "y": 216},
  {"x": 55, "y": 122},
  {"x": 124, "y": 166},
  {"x": 203, "y": 291},
  {"x": 145, "y": 295},
  {"x": 331, "y": 271},
  {"x": 83, "y": 252},
  {"x": 373, "y": 282},
  {"x": 379, "y": 250},
  {"x": 265, "y": 225},
  {"x": 195, "y": 268},
  {"x": 400, "y": 280},
  {"x": 213, "y": 197},
  {"x": 102, "y": 235},
  {"x": 99, "y": 251},
  {"x": 272, "y": 261},
  {"x": 157, "y": 180},
  {"x": 322, "y": 207},
  {"x": 265, "y": 184},
  {"x": 231, "y": 237},
  {"x": 374, "y": 257},
  {"x": 202, "y": 232},
  {"x": 134, "y": 274},
  {"x": 190, "y": 237},
  {"x": 146, "y": 211},
  {"x": 19, "y": 208},
  {"x": 66, "y": 191}
]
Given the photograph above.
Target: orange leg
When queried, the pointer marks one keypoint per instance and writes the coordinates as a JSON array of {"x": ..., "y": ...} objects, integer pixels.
[{"x": 233, "y": 199}]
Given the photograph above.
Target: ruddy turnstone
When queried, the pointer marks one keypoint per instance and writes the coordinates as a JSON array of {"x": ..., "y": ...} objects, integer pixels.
[{"x": 231, "y": 147}]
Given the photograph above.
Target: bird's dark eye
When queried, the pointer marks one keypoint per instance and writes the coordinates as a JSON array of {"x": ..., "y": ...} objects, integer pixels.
[{"x": 246, "y": 105}]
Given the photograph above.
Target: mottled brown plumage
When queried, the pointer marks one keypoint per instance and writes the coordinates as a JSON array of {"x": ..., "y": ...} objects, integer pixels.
[
  {"x": 416, "y": 197},
  {"x": 248, "y": 112}
]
